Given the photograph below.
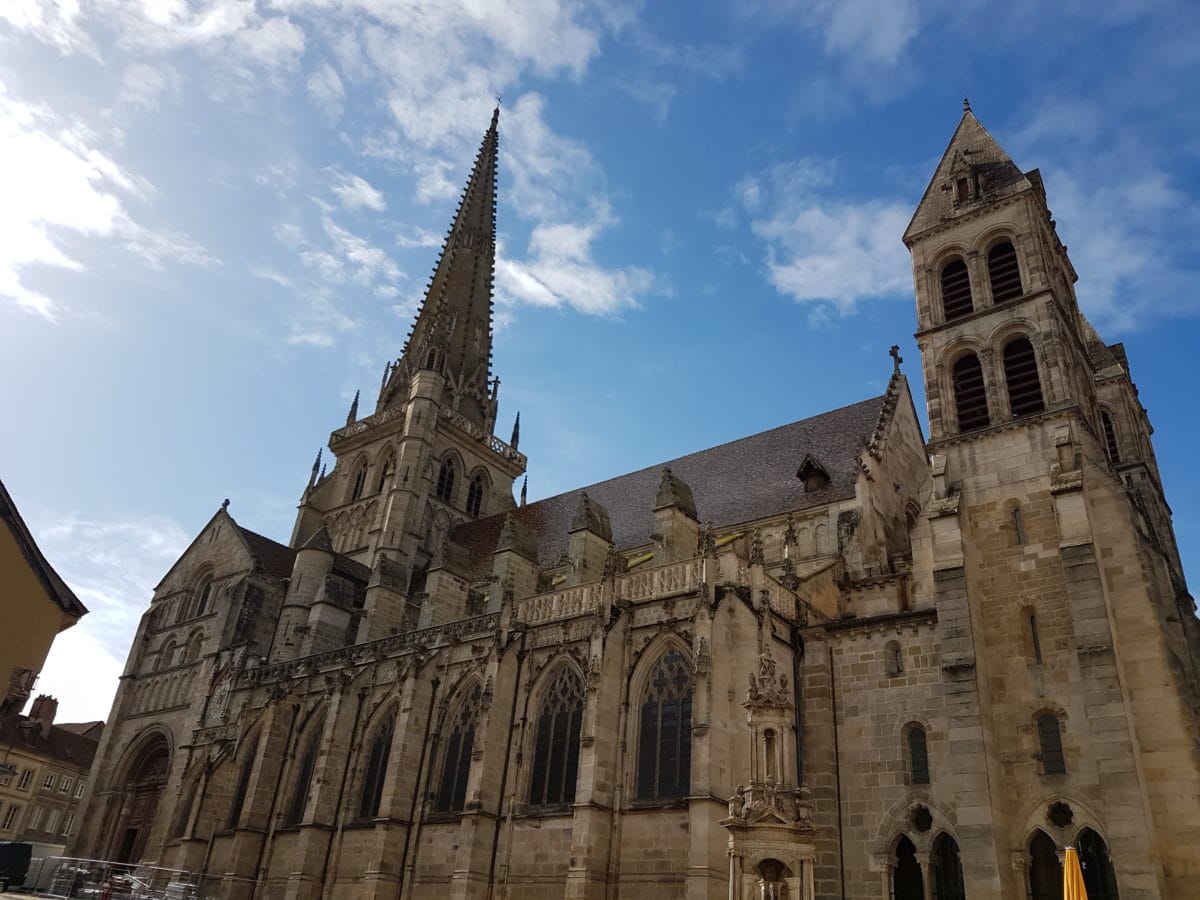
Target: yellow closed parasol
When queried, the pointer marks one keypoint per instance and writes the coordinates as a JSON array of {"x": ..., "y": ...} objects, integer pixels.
[{"x": 1073, "y": 888}]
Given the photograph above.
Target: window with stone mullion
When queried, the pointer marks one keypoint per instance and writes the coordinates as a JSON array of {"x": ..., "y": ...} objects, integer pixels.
[
  {"x": 372, "y": 793},
  {"x": 456, "y": 768},
  {"x": 665, "y": 732},
  {"x": 556, "y": 742}
]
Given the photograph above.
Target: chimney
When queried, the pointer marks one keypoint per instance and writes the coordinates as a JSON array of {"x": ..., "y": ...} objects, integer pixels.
[{"x": 42, "y": 712}]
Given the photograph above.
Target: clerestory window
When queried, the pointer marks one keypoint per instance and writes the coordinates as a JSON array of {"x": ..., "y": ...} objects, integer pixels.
[
  {"x": 665, "y": 730},
  {"x": 556, "y": 744}
]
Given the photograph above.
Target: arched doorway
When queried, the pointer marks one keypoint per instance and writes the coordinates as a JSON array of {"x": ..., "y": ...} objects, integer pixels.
[
  {"x": 142, "y": 791},
  {"x": 1098, "y": 875},
  {"x": 946, "y": 869},
  {"x": 1045, "y": 869},
  {"x": 772, "y": 879},
  {"x": 907, "y": 883}
]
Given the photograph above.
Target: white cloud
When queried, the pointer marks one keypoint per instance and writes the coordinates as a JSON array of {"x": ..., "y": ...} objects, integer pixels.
[
  {"x": 326, "y": 91},
  {"x": 864, "y": 31},
  {"x": 142, "y": 85},
  {"x": 55, "y": 23},
  {"x": 112, "y": 565},
  {"x": 355, "y": 192},
  {"x": 562, "y": 271}
]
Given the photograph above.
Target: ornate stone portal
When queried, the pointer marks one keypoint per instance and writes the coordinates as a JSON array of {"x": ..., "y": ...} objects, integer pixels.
[{"x": 770, "y": 819}]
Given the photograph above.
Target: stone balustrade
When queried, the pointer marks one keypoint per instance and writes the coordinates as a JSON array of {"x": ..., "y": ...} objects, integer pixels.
[
  {"x": 391, "y": 414},
  {"x": 661, "y": 581},
  {"x": 493, "y": 443}
]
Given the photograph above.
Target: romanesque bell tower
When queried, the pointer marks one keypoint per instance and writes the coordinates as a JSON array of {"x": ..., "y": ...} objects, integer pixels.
[{"x": 1067, "y": 636}]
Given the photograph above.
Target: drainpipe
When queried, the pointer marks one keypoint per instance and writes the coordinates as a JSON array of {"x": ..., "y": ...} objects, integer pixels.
[
  {"x": 337, "y": 808},
  {"x": 414, "y": 829},
  {"x": 512, "y": 718}
]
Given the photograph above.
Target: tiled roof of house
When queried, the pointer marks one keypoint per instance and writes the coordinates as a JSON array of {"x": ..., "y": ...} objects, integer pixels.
[
  {"x": 55, "y": 587},
  {"x": 276, "y": 559},
  {"x": 60, "y": 744},
  {"x": 741, "y": 481}
]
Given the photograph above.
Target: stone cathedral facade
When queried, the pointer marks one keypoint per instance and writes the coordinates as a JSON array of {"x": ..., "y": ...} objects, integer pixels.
[{"x": 834, "y": 659}]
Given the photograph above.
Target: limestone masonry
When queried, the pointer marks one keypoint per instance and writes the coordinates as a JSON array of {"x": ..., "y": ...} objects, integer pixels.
[{"x": 835, "y": 659}]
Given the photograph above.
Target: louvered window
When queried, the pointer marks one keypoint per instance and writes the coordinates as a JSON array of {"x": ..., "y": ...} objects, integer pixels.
[
  {"x": 1004, "y": 273},
  {"x": 918, "y": 755},
  {"x": 445, "y": 482},
  {"x": 304, "y": 777},
  {"x": 556, "y": 745},
  {"x": 1021, "y": 377},
  {"x": 956, "y": 290},
  {"x": 372, "y": 789},
  {"x": 970, "y": 396},
  {"x": 1050, "y": 739},
  {"x": 1110, "y": 438},
  {"x": 475, "y": 495},
  {"x": 452, "y": 794},
  {"x": 665, "y": 730}
]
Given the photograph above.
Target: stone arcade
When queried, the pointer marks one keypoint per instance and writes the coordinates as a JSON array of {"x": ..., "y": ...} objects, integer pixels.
[{"x": 961, "y": 653}]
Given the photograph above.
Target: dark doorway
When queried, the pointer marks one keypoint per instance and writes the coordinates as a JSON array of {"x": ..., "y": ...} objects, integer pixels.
[
  {"x": 907, "y": 883},
  {"x": 1098, "y": 875},
  {"x": 143, "y": 789},
  {"x": 1045, "y": 870},
  {"x": 946, "y": 866}
]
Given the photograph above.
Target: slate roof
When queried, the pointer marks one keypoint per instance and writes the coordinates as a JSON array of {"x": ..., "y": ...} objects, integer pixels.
[
  {"x": 276, "y": 559},
  {"x": 61, "y": 744},
  {"x": 55, "y": 587},
  {"x": 747, "y": 479}
]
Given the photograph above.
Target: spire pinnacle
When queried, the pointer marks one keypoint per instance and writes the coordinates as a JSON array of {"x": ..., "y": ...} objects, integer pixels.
[
  {"x": 516, "y": 435},
  {"x": 524, "y": 490},
  {"x": 312, "y": 479},
  {"x": 352, "y": 416},
  {"x": 966, "y": 105},
  {"x": 454, "y": 324}
]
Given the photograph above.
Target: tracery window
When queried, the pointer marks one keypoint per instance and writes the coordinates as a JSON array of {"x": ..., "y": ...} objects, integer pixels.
[
  {"x": 445, "y": 482},
  {"x": 970, "y": 394},
  {"x": 243, "y": 785},
  {"x": 360, "y": 481},
  {"x": 1050, "y": 739},
  {"x": 377, "y": 762},
  {"x": 1021, "y": 377},
  {"x": 1004, "y": 273},
  {"x": 386, "y": 471},
  {"x": 918, "y": 755},
  {"x": 556, "y": 742},
  {"x": 475, "y": 495},
  {"x": 956, "y": 290},
  {"x": 665, "y": 730},
  {"x": 304, "y": 776},
  {"x": 456, "y": 768}
]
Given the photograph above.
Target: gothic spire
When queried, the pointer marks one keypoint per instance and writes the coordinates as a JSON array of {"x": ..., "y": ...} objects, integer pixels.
[{"x": 453, "y": 329}]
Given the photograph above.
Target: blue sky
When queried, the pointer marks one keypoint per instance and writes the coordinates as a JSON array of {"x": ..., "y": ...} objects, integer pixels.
[{"x": 217, "y": 217}]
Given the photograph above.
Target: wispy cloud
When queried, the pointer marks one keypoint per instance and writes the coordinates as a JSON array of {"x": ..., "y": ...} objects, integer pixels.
[
  {"x": 355, "y": 192},
  {"x": 325, "y": 89}
]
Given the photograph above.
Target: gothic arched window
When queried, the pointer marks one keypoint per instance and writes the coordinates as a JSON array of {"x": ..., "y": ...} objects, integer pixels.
[
  {"x": 387, "y": 470},
  {"x": 956, "y": 290},
  {"x": 304, "y": 777},
  {"x": 377, "y": 762},
  {"x": 1111, "y": 449},
  {"x": 1003, "y": 272},
  {"x": 946, "y": 866},
  {"x": 445, "y": 482},
  {"x": 907, "y": 880},
  {"x": 1021, "y": 377},
  {"x": 970, "y": 394},
  {"x": 360, "y": 481},
  {"x": 1098, "y": 875},
  {"x": 918, "y": 755},
  {"x": 475, "y": 495},
  {"x": 556, "y": 744},
  {"x": 203, "y": 595},
  {"x": 1045, "y": 871},
  {"x": 243, "y": 784},
  {"x": 1050, "y": 740},
  {"x": 665, "y": 730},
  {"x": 452, "y": 794}
]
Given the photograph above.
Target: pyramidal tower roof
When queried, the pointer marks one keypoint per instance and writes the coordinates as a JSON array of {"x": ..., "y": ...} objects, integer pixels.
[
  {"x": 974, "y": 155},
  {"x": 453, "y": 329}
]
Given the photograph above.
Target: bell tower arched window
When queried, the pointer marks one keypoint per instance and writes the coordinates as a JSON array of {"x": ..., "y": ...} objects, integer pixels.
[
  {"x": 1004, "y": 273},
  {"x": 665, "y": 730},
  {"x": 1021, "y": 378},
  {"x": 360, "y": 481},
  {"x": 556, "y": 745},
  {"x": 377, "y": 762},
  {"x": 1050, "y": 740},
  {"x": 456, "y": 768},
  {"x": 918, "y": 755},
  {"x": 956, "y": 290},
  {"x": 445, "y": 482},
  {"x": 970, "y": 394},
  {"x": 475, "y": 495}
]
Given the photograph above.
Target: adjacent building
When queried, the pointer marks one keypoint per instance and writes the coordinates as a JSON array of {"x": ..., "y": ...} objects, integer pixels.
[{"x": 839, "y": 658}]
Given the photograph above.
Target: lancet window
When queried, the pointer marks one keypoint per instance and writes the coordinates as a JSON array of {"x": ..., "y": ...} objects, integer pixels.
[
  {"x": 445, "y": 482},
  {"x": 556, "y": 741},
  {"x": 1021, "y": 376},
  {"x": 386, "y": 471},
  {"x": 377, "y": 763},
  {"x": 665, "y": 730},
  {"x": 918, "y": 755},
  {"x": 456, "y": 767},
  {"x": 1050, "y": 740},
  {"x": 304, "y": 776},
  {"x": 475, "y": 494}
]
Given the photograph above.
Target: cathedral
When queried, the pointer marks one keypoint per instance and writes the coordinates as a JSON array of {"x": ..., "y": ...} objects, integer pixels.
[{"x": 837, "y": 659}]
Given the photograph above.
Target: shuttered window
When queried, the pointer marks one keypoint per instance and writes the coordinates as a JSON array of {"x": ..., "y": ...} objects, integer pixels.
[
  {"x": 1021, "y": 377},
  {"x": 970, "y": 395},
  {"x": 956, "y": 290},
  {"x": 456, "y": 768},
  {"x": 1004, "y": 273},
  {"x": 556, "y": 742},
  {"x": 665, "y": 730}
]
